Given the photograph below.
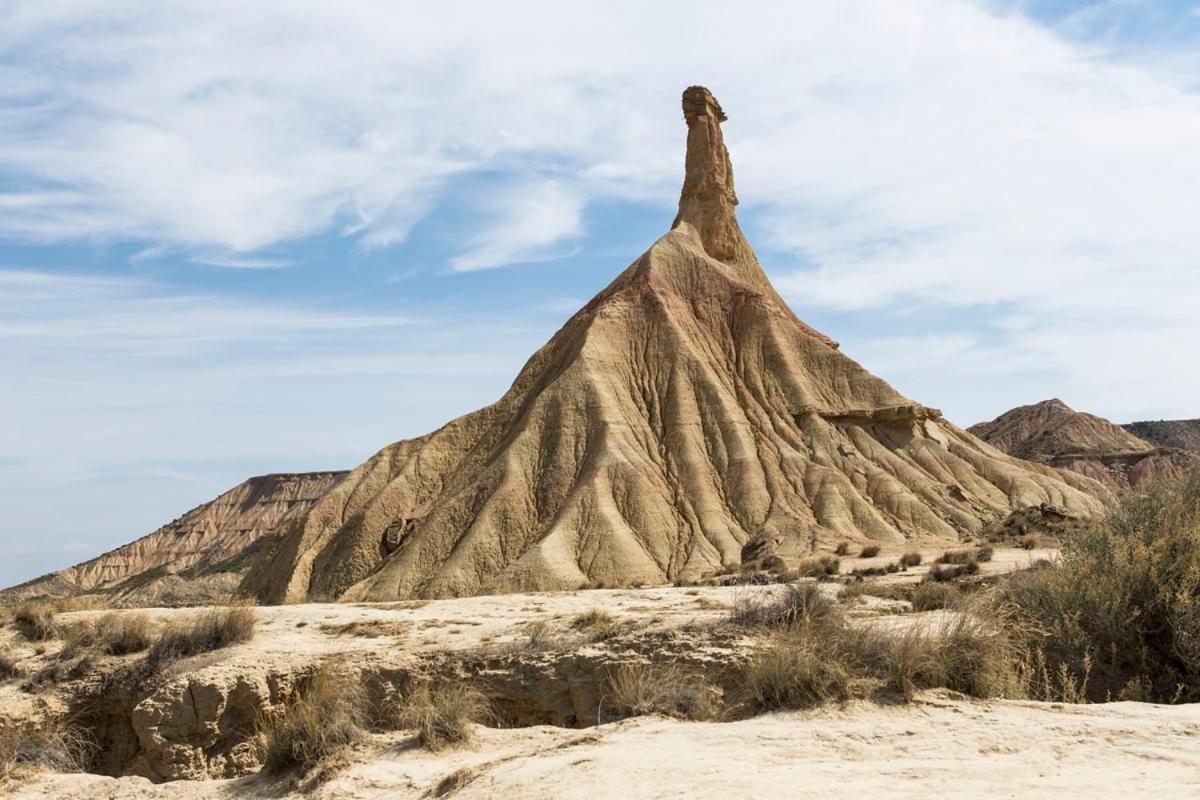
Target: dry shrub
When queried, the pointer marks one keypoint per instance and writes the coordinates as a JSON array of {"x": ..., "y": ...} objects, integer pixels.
[
  {"x": 35, "y": 621},
  {"x": 57, "y": 671},
  {"x": 817, "y": 566},
  {"x": 972, "y": 654},
  {"x": 824, "y": 658},
  {"x": 796, "y": 672},
  {"x": 969, "y": 556},
  {"x": 317, "y": 725},
  {"x": 83, "y": 602},
  {"x": 668, "y": 689},
  {"x": 938, "y": 573},
  {"x": 1119, "y": 615},
  {"x": 797, "y": 605},
  {"x": 8, "y": 668},
  {"x": 441, "y": 714},
  {"x": 114, "y": 634},
  {"x": 52, "y": 744},
  {"x": 870, "y": 551},
  {"x": 597, "y": 624},
  {"x": 201, "y": 633},
  {"x": 842, "y": 549},
  {"x": 910, "y": 559},
  {"x": 542, "y": 635},
  {"x": 932, "y": 596},
  {"x": 1029, "y": 541}
]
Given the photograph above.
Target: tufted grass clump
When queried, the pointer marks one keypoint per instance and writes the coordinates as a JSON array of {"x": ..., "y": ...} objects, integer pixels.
[
  {"x": 441, "y": 714},
  {"x": 667, "y": 689},
  {"x": 114, "y": 634},
  {"x": 201, "y": 633},
  {"x": 317, "y": 725},
  {"x": 51, "y": 744},
  {"x": 35, "y": 621},
  {"x": 597, "y": 624}
]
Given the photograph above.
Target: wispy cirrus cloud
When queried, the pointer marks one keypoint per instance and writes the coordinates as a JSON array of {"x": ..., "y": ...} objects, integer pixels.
[{"x": 525, "y": 223}]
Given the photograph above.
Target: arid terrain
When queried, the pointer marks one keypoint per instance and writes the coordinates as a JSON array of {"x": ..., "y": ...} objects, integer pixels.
[
  {"x": 198, "y": 558},
  {"x": 695, "y": 550},
  {"x": 558, "y": 729},
  {"x": 1053, "y": 433}
]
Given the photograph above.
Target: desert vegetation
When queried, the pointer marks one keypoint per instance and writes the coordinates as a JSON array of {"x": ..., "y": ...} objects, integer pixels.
[
  {"x": 203, "y": 632},
  {"x": 35, "y": 621},
  {"x": 596, "y": 624},
  {"x": 315, "y": 727},
  {"x": 441, "y": 714},
  {"x": 114, "y": 634},
  {"x": 1119, "y": 615},
  {"x": 671, "y": 690},
  {"x": 51, "y": 744}
]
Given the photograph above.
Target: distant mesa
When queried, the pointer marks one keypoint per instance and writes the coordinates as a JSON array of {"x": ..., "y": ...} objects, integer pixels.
[
  {"x": 1053, "y": 433},
  {"x": 682, "y": 415},
  {"x": 197, "y": 558}
]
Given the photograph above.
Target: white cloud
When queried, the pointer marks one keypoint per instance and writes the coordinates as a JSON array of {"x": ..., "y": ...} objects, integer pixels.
[
  {"x": 526, "y": 223},
  {"x": 897, "y": 161},
  {"x": 240, "y": 262}
]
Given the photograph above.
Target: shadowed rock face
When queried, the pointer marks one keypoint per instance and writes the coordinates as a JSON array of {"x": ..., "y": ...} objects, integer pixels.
[
  {"x": 1051, "y": 432},
  {"x": 199, "y": 556},
  {"x": 681, "y": 413}
]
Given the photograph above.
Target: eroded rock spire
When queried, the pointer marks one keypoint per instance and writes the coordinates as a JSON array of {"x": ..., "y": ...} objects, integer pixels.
[{"x": 708, "y": 198}]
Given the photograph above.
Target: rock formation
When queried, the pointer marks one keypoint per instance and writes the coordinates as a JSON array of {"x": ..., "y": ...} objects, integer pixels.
[
  {"x": 1051, "y": 432},
  {"x": 196, "y": 557},
  {"x": 682, "y": 413}
]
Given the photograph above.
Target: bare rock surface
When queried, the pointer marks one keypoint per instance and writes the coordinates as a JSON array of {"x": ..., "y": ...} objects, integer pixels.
[
  {"x": 683, "y": 412},
  {"x": 1051, "y": 432},
  {"x": 196, "y": 558}
]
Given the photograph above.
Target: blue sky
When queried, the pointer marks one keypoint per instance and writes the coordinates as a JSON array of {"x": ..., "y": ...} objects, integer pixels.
[{"x": 236, "y": 240}]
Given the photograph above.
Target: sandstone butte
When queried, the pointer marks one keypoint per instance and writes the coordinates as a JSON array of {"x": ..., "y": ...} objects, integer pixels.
[
  {"x": 683, "y": 414},
  {"x": 196, "y": 558},
  {"x": 1053, "y": 433}
]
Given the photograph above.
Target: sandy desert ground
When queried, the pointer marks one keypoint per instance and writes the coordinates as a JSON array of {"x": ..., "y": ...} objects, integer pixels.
[{"x": 941, "y": 743}]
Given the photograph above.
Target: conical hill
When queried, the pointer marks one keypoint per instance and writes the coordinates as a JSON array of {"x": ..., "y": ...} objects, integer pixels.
[{"x": 681, "y": 414}]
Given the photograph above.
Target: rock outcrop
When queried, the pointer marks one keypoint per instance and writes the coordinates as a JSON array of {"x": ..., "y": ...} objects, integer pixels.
[
  {"x": 683, "y": 412},
  {"x": 196, "y": 558},
  {"x": 1051, "y": 432}
]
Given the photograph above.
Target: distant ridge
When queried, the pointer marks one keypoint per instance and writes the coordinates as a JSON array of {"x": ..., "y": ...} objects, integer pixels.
[
  {"x": 684, "y": 416},
  {"x": 1183, "y": 434},
  {"x": 1051, "y": 432},
  {"x": 195, "y": 558}
]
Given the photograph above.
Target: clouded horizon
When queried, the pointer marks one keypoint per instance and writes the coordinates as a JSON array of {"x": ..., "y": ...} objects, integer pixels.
[{"x": 249, "y": 238}]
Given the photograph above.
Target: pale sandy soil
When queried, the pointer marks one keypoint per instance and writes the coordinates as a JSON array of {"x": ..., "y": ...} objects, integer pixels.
[{"x": 940, "y": 746}]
